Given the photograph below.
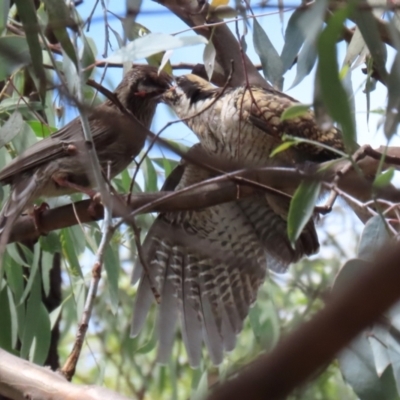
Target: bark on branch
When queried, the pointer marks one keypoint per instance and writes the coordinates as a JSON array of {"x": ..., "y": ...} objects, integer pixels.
[
  {"x": 217, "y": 190},
  {"x": 21, "y": 380}
]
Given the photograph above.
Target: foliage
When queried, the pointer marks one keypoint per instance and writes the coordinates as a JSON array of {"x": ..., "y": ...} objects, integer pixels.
[{"x": 28, "y": 112}]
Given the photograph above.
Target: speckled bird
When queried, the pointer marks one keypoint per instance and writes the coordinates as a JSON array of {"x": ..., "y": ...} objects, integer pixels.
[
  {"x": 208, "y": 265},
  {"x": 58, "y": 165}
]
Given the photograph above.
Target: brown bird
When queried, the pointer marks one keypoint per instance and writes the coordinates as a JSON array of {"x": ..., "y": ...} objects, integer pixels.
[
  {"x": 57, "y": 165},
  {"x": 207, "y": 265}
]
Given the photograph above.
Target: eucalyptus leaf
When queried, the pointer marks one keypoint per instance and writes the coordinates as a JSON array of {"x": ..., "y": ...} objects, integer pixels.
[
  {"x": 27, "y": 14},
  {"x": 302, "y": 24},
  {"x": 152, "y": 43},
  {"x": 333, "y": 94},
  {"x": 15, "y": 54},
  {"x": 270, "y": 60},
  {"x": 384, "y": 179},
  {"x": 5, "y": 320},
  {"x": 366, "y": 22},
  {"x": 12, "y": 127},
  {"x": 377, "y": 340},
  {"x": 393, "y": 105},
  {"x": 209, "y": 59},
  {"x": 302, "y": 208},
  {"x": 374, "y": 236},
  {"x": 358, "y": 368},
  {"x": 4, "y": 10},
  {"x": 295, "y": 111},
  {"x": 60, "y": 19}
]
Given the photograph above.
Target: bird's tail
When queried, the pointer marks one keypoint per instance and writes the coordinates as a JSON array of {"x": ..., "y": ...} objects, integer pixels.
[
  {"x": 206, "y": 267},
  {"x": 208, "y": 283}
]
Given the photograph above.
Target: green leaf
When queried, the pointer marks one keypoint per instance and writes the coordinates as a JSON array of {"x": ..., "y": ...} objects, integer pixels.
[
  {"x": 112, "y": 267},
  {"x": 135, "y": 31},
  {"x": 384, "y": 179},
  {"x": 88, "y": 57},
  {"x": 60, "y": 20},
  {"x": 69, "y": 252},
  {"x": 14, "y": 275},
  {"x": 349, "y": 274},
  {"x": 149, "y": 345},
  {"x": 33, "y": 271},
  {"x": 46, "y": 265},
  {"x": 374, "y": 236},
  {"x": 150, "y": 176},
  {"x": 209, "y": 55},
  {"x": 377, "y": 341},
  {"x": 366, "y": 22},
  {"x": 5, "y": 320},
  {"x": 13, "y": 126},
  {"x": 202, "y": 389},
  {"x": 282, "y": 147},
  {"x": 25, "y": 138},
  {"x": 42, "y": 335},
  {"x": 166, "y": 163},
  {"x": 358, "y": 368},
  {"x": 41, "y": 130},
  {"x": 15, "y": 54},
  {"x": 302, "y": 208},
  {"x": 50, "y": 243},
  {"x": 303, "y": 24},
  {"x": 19, "y": 103},
  {"x": 153, "y": 43},
  {"x": 333, "y": 94},
  {"x": 4, "y": 10},
  {"x": 270, "y": 60},
  {"x": 305, "y": 61},
  {"x": 393, "y": 106},
  {"x": 295, "y": 111},
  {"x": 27, "y": 14}
]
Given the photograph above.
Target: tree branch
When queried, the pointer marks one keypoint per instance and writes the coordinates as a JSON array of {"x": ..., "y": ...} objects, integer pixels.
[{"x": 21, "y": 380}]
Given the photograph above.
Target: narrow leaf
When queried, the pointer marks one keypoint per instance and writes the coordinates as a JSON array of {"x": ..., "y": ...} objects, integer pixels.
[
  {"x": 209, "y": 58},
  {"x": 384, "y": 179},
  {"x": 374, "y": 236},
  {"x": 13, "y": 126},
  {"x": 4, "y": 9},
  {"x": 153, "y": 43},
  {"x": 332, "y": 91},
  {"x": 60, "y": 20},
  {"x": 15, "y": 54},
  {"x": 27, "y": 13},
  {"x": 282, "y": 147},
  {"x": 302, "y": 24},
  {"x": 302, "y": 208},
  {"x": 270, "y": 60},
  {"x": 295, "y": 111},
  {"x": 366, "y": 22}
]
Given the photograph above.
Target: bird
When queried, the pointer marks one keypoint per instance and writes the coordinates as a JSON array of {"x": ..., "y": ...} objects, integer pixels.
[
  {"x": 57, "y": 165},
  {"x": 207, "y": 265}
]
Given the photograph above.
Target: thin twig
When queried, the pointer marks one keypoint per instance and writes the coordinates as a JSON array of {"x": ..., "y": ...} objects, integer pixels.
[{"x": 68, "y": 370}]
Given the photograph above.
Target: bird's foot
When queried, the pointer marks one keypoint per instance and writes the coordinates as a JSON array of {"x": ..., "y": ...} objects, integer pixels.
[
  {"x": 36, "y": 214},
  {"x": 63, "y": 181}
]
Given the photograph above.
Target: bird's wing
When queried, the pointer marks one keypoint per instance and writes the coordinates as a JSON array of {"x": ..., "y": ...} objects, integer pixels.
[
  {"x": 266, "y": 115},
  {"x": 207, "y": 266},
  {"x": 56, "y": 145},
  {"x": 267, "y": 215}
]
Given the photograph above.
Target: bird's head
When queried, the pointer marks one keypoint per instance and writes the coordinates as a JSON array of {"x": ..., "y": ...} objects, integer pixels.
[
  {"x": 189, "y": 89},
  {"x": 142, "y": 83}
]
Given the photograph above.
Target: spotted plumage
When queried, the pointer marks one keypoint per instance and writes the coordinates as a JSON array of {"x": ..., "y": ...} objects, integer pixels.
[{"x": 209, "y": 264}]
